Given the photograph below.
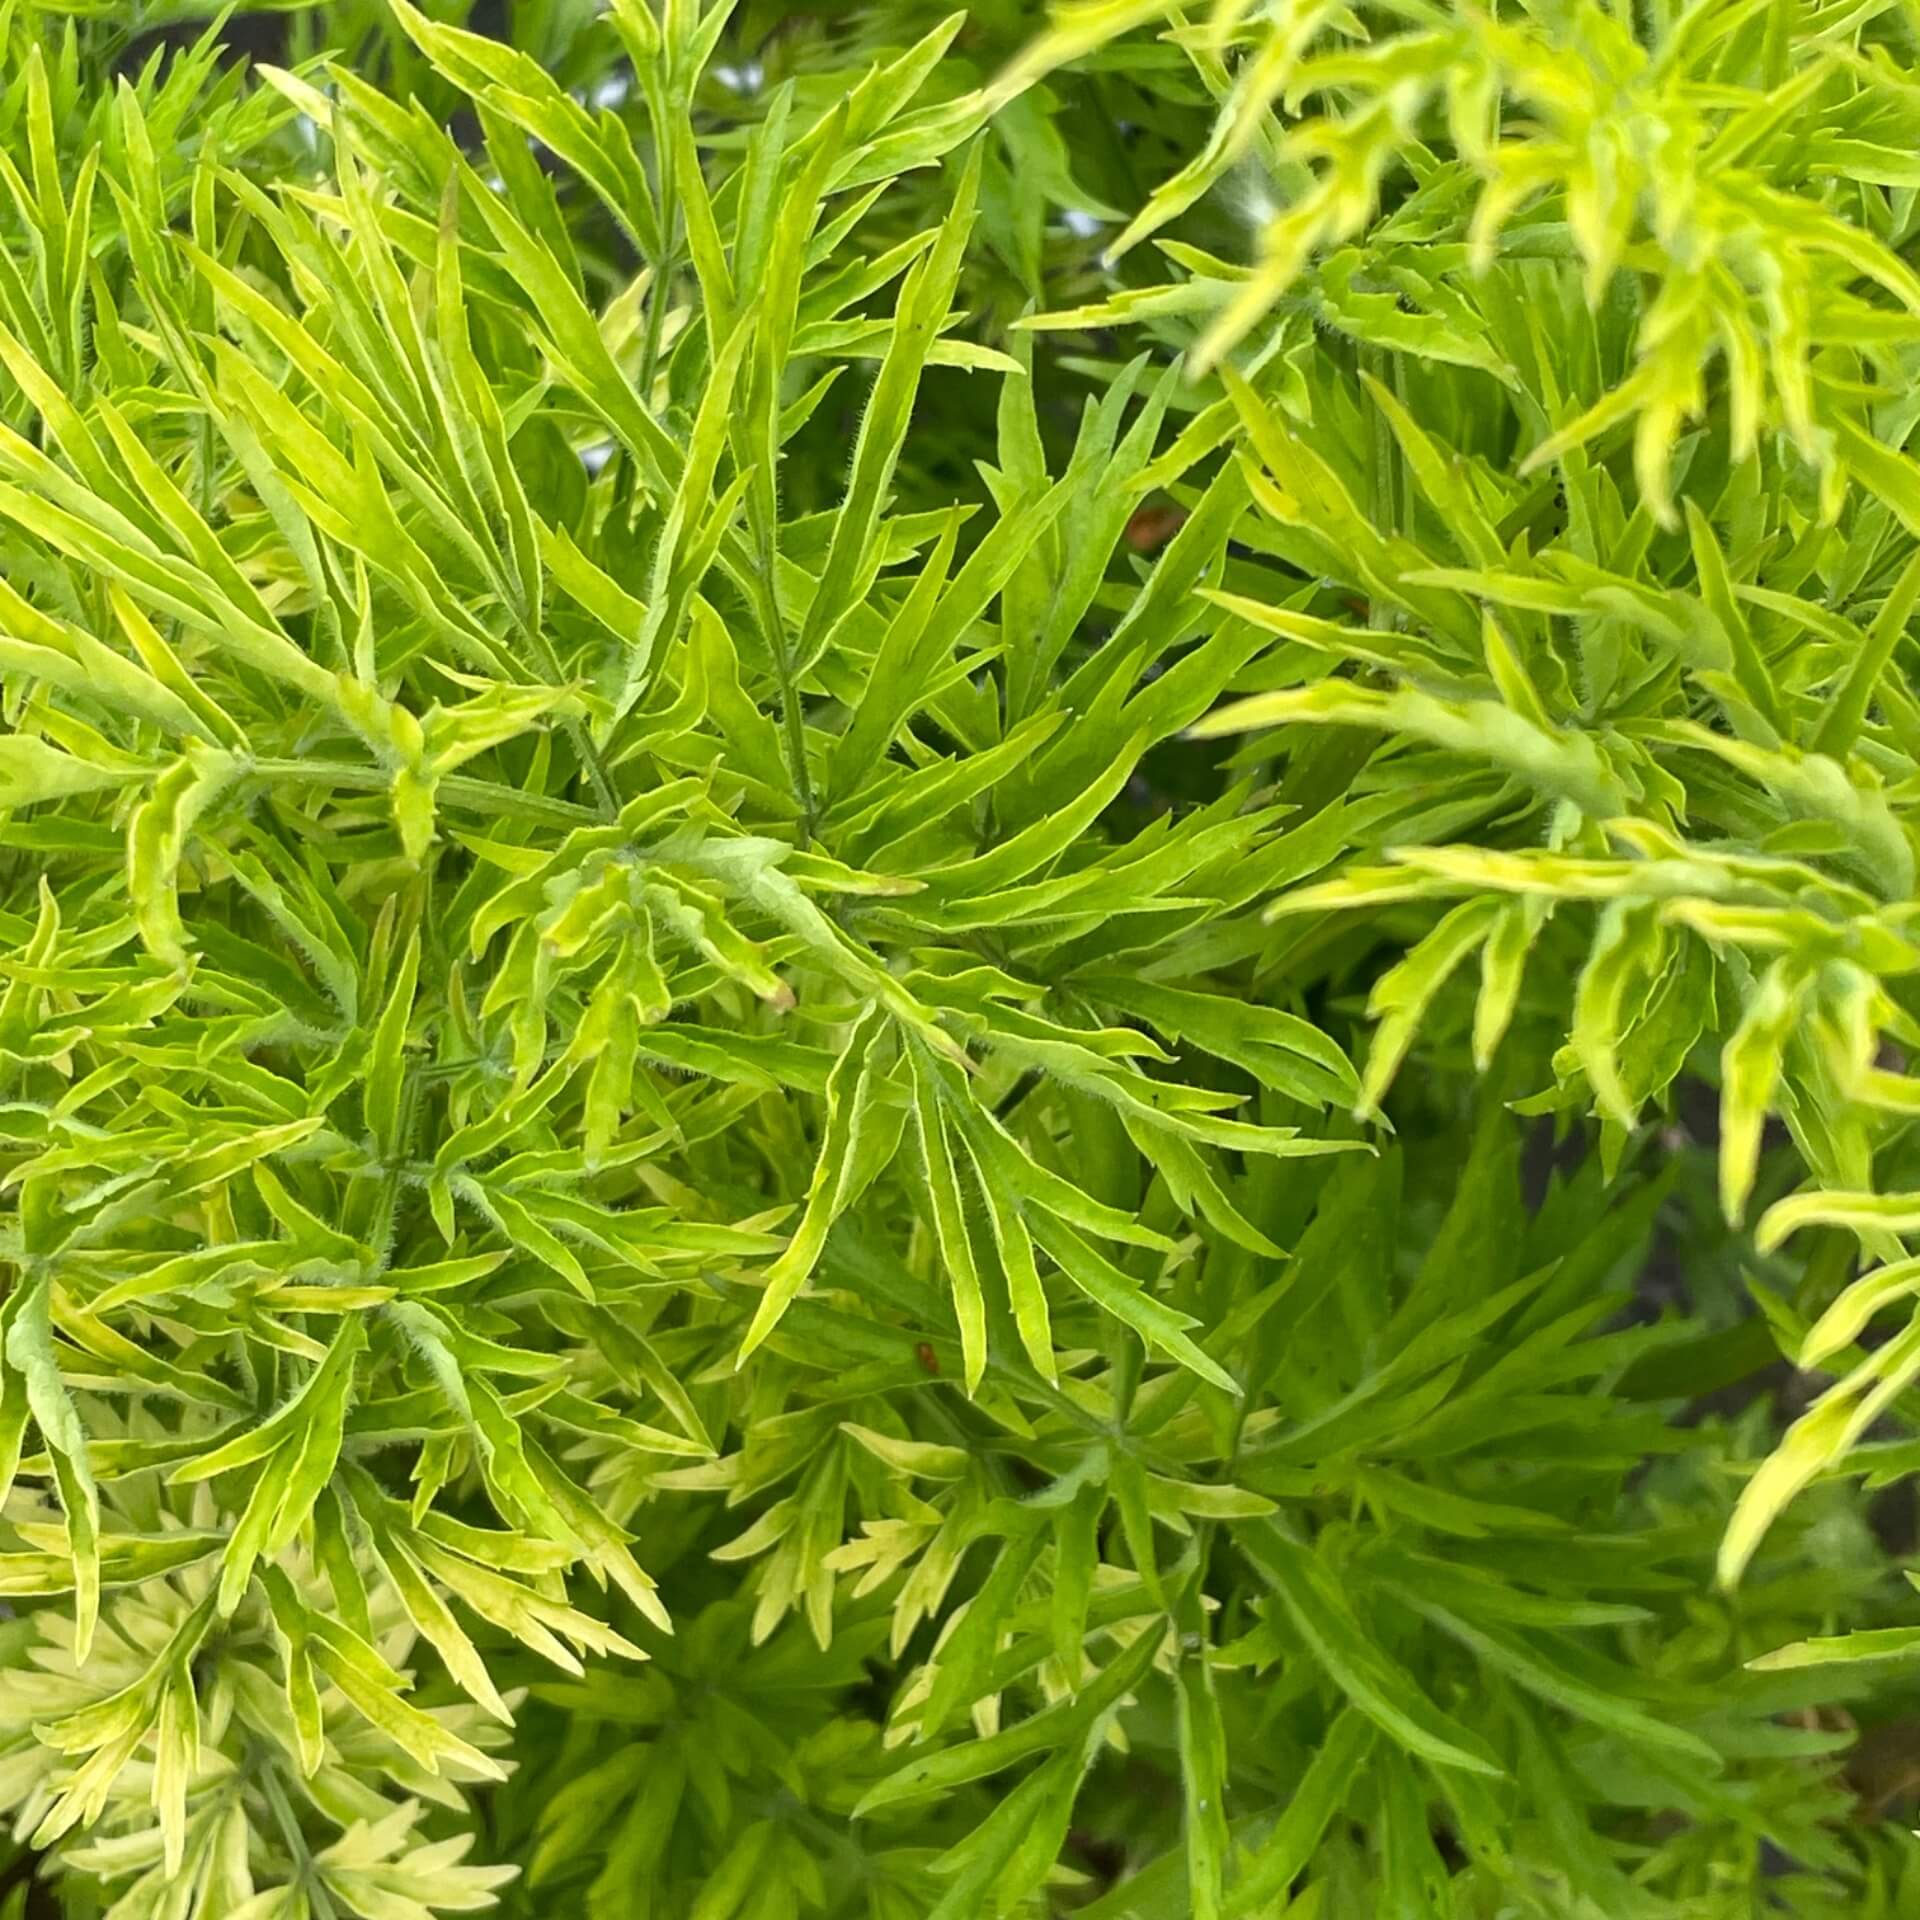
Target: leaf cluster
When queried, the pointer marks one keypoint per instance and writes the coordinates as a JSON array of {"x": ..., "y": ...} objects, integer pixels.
[{"x": 750, "y": 1166}]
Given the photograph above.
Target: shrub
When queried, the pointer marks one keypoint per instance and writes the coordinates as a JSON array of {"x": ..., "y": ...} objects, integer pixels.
[{"x": 704, "y": 806}]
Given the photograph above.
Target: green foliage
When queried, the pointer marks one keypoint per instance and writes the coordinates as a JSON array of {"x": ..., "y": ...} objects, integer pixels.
[{"x": 750, "y": 1165}]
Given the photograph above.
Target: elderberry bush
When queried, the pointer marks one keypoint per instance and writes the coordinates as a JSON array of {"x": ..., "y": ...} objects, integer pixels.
[{"x": 959, "y": 965}]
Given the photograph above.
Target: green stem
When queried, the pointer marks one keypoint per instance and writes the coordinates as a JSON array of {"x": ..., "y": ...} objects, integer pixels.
[
  {"x": 794, "y": 730},
  {"x": 596, "y": 768},
  {"x": 662, "y": 285},
  {"x": 773, "y": 627},
  {"x": 306, "y": 1872}
]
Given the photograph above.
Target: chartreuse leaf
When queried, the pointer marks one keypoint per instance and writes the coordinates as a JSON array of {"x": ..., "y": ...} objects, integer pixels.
[
  {"x": 1884, "y": 1643},
  {"x": 853, "y": 1048},
  {"x": 1849, "y": 1315},
  {"x": 298, "y": 1446},
  {"x": 32, "y": 771},
  {"x": 1822, "y": 1436},
  {"x": 859, "y": 1138},
  {"x": 1750, "y": 1068},
  {"x": 980, "y": 1759},
  {"x": 33, "y": 1375},
  {"x": 949, "y": 1217}
]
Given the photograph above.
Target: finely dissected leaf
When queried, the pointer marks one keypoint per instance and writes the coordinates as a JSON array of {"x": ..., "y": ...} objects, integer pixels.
[
  {"x": 1324, "y": 1620},
  {"x": 899, "y": 911},
  {"x": 1816, "y": 1441},
  {"x": 854, "y": 1147},
  {"x": 1888, "y": 1643},
  {"x": 939, "y": 1772},
  {"x": 33, "y": 1375},
  {"x": 32, "y": 771}
]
